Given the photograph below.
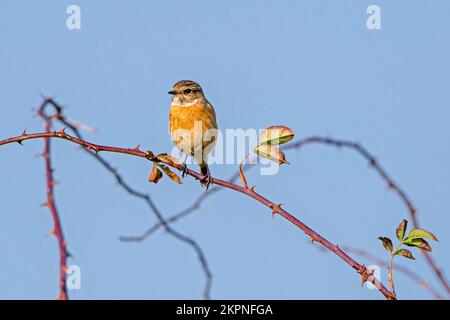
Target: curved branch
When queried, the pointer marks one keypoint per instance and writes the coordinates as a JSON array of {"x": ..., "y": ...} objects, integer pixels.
[
  {"x": 327, "y": 141},
  {"x": 361, "y": 269},
  {"x": 390, "y": 183},
  {"x": 51, "y": 204}
]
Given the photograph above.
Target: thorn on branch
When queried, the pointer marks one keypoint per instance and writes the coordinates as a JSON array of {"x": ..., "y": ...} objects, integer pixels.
[
  {"x": 275, "y": 208},
  {"x": 137, "y": 148},
  {"x": 365, "y": 274},
  {"x": 22, "y": 137}
]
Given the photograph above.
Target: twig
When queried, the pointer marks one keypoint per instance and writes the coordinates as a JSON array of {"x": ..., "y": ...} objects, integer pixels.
[
  {"x": 406, "y": 271},
  {"x": 390, "y": 267},
  {"x": 361, "y": 269},
  {"x": 183, "y": 213},
  {"x": 390, "y": 183},
  {"x": 51, "y": 204},
  {"x": 172, "y": 219}
]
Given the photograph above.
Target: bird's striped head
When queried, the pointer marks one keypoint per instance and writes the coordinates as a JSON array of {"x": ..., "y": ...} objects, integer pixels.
[{"x": 187, "y": 93}]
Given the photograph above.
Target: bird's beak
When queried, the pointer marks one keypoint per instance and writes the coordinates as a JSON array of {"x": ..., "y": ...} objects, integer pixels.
[{"x": 171, "y": 92}]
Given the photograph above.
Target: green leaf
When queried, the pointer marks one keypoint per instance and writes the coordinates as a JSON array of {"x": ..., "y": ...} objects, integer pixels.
[
  {"x": 401, "y": 229},
  {"x": 420, "y": 233},
  {"x": 387, "y": 243},
  {"x": 405, "y": 253},
  {"x": 276, "y": 135},
  {"x": 417, "y": 242}
]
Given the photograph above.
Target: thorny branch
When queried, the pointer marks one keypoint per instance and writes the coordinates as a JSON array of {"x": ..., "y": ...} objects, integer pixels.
[
  {"x": 297, "y": 145},
  {"x": 391, "y": 185},
  {"x": 59, "y": 116},
  {"x": 51, "y": 204},
  {"x": 275, "y": 208}
]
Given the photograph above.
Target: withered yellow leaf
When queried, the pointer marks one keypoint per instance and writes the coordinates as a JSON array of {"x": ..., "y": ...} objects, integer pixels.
[
  {"x": 167, "y": 158},
  {"x": 156, "y": 174},
  {"x": 172, "y": 175}
]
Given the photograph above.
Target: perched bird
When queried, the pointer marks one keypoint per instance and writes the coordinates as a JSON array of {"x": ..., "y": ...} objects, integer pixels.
[{"x": 192, "y": 125}]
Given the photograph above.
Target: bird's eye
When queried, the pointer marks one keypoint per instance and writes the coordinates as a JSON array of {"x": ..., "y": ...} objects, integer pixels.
[{"x": 187, "y": 91}]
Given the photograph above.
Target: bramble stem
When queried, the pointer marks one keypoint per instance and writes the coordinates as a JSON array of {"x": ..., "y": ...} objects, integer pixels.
[{"x": 361, "y": 269}]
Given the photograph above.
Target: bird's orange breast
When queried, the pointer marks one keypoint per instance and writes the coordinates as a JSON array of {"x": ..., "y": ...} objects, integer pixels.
[
  {"x": 198, "y": 118},
  {"x": 185, "y": 117}
]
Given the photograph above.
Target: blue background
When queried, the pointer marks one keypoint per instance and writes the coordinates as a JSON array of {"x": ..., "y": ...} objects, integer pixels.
[{"x": 311, "y": 65}]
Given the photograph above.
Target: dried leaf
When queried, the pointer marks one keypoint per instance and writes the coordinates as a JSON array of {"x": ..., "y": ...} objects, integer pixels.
[
  {"x": 156, "y": 174},
  {"x": 405, "y": 253},
  {"x": 417, "y": 242},
  {"x": 172, "y": 175},
  {"x": 271, "y": 152},
  {"x": 401, "y": 229},
  {"x": 275, "y": 135},
  {"x": 167, "y": 158},
  {"x": 420, "y": 233},
  {"x": 387, "y": 243}
]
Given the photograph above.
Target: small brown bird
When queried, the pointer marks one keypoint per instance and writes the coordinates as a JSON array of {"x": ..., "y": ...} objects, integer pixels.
[{"x": 192, "y": 125}]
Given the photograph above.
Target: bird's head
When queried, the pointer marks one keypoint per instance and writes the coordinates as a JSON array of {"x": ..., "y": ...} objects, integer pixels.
[{"x": 186, "y": 93}]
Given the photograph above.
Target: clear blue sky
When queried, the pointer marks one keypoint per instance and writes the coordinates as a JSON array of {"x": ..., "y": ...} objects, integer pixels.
[{"x": 311, "y": 65}]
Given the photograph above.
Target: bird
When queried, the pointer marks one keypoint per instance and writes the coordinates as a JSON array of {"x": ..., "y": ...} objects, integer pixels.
[{"x": 193, "y": 125}]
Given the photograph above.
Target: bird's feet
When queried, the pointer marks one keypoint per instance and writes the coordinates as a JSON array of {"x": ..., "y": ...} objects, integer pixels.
[
  {"x": 184, "y": 170},
  {"x": 207, "y": 180}
]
